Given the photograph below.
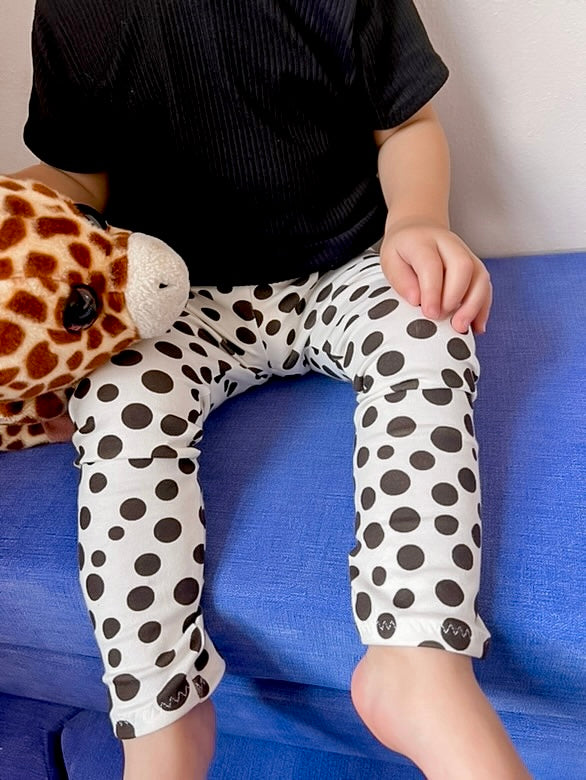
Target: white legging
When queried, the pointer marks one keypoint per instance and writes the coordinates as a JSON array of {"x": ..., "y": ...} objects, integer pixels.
[{"x": 415, "y": 568}]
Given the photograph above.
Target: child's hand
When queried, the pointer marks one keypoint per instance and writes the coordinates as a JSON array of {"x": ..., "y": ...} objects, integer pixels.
[{"x": 428, "y": 265}]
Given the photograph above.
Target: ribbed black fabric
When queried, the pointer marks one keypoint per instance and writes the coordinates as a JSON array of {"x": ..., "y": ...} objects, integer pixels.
[{"x": 240, "y": 131}]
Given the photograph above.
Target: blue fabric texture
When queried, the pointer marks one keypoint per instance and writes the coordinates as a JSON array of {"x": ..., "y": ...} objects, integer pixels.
[{"x": 276, "y": 472}]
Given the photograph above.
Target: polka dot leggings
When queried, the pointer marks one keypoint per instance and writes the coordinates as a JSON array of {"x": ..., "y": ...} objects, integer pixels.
[{"x": 415, "y": 567}]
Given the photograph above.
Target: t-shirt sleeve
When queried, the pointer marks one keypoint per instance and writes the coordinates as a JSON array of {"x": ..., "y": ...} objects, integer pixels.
[
  {"x": 399, "y": 68},
  {"x": 68, "y": 123}
]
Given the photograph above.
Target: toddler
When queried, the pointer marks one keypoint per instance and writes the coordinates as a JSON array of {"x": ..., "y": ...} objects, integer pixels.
[{"x": 272, "y": 143}]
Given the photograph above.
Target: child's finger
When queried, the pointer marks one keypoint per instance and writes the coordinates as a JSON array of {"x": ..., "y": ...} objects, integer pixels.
[
  {"x": 401, "y": 276},
  {"x": 429, "y": 268},
  {"x": 476, "y": 303},
  {"x": 458, "y": 274}
]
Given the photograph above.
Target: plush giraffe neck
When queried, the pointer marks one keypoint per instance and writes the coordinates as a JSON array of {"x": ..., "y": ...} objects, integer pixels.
[{"x": 64, "y": 302}]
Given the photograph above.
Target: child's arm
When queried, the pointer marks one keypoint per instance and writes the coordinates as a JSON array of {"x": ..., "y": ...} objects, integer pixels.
[
  {"x": 425, "y": 262},
  {"x": 90, "y": 188}
]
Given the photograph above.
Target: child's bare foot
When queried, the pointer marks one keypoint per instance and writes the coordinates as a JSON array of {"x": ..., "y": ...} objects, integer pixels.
[
  {"x": 181, "y": 751},
  {"x": 426, "y": 704}
]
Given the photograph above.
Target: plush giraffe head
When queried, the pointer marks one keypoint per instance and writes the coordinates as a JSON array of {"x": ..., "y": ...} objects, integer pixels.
[{"x": 73, "y": 292}]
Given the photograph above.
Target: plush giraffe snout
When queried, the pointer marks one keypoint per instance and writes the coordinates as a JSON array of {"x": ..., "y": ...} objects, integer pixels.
[{"x": 158, "y": 284}]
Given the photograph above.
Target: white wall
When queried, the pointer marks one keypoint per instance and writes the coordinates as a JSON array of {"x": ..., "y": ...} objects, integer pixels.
[{"x": 514, "y": 110}]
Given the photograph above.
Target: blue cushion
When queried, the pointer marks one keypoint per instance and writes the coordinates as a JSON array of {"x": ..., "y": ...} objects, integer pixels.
[{"x": 276, "y": 471}]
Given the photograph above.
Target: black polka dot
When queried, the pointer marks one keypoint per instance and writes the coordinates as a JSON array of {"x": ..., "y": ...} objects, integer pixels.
[
  {"x": 447, "y": 439},
  {"x": 395, "y": 482},
  {"x": 463, "y": 557},
  {"x": 385, "y": 452},
  {"x": 291, "y": 360},
  {"x": 440, "y": 396},
  {"x": 133, "y": 509},
  {"x": 382, "y": 309},
  {"x": 140, "y": 463},
  {"x": 467, "y": 479},
  {"x": 140, "y": 598},
  {"x": 289, "y": 302},
  {"x": 167, "y": 530},
  {"x": 202, "y": 688},
  {"x": 211, "y": 314},
  {"x": 126, "y": 686},
  {"x": 404, "y": 520},
  {"x": 199, "y": 553},
  {"x": 245, "y": 335},
  {"x": 422, "y": 460},
  {"x": 445, "y": 494},
  {"x": 157, "y": 381},
  {"x": 110, "y": 627},
  {"x": 379, "y": 575},
  {"x": 168, "y": 349},
  {"x": 186, "y": 466},
  {"x": 451, "y": 378},
  {"x": 116, "y": 533},
  {"x": 85, "y": 517},
  {"x": 137, "y": 416},
  {"x": 369, "y": 417},
  {"x": 358, "y": 292},
  {"x": 354, "y": 572},
  {"x": 125, "y": 730},
  {"x": 458, "y": 349},
  {"x": 449, "y": 593},
  {"x": 163, "y": 451},
  {"x": 379, "y": 291},
  {"x": 386, "y": 625},
  {"x": 373, "y": 535},
  {"x": 173, "y": 425},
  {"x": 107, "y": 393},
  {"x": 401, "y": 426},
  {"x": 456, "y": 633},
  {"x": 446, "y": 525},
  {"x": 80, "y": 556},
  {"x": 97, "y": 483},
  {"x": 165, "y": 659},
  {"x": 329, "y": 314},
  {"x": 372, "y": 342},
  {"x": 362, "y": 457},
  {"x": 98, "y": 558},
  {"x": 363, "y": 606},
  {"x": 410, "y": 557},
  {"x": 421, "y": 329},
  {"x": 196, "y": 641},
  {"x": 367, "y": 498},
  {"x": 324, "y": 292},
  {"x": 82, "y": 388},
  {"x": 114, "y": 658},
  {"x": 89, "y": 426},
  {"x": 94, "y": 586},
  {"x": 149, "y": 632},
  {"x": 128, "y": 357},
  {"x": 167, "y": 490},
  {"x": 202, "y": 660},
  {"x": 404, "y": 598},
  {"x": 147, "y": 564},
  {"x": 390, "y": 363},
  {"x": 476, "y": 535},
  {"x": 186, "y": 591},
  {"x": 109, "y": 447},
  {"x": 174, "y": 694}
]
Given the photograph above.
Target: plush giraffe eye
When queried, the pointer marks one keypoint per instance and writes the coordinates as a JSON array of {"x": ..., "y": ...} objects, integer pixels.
[
  {"x": 82, "y": 308},
  {"x": 92, "y": 215}
]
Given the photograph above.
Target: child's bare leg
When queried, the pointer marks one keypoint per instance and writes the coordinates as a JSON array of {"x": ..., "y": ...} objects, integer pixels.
[
  {"x": 180, "y": 751},
  {"x": 426, "y": 704}
]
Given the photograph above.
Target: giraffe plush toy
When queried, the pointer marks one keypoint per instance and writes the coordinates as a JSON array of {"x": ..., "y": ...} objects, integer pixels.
[{"x": 73, "y": 292}]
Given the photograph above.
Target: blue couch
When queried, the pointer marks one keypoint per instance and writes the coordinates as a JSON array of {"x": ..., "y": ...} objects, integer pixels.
[{"x": 280, "y": 525}]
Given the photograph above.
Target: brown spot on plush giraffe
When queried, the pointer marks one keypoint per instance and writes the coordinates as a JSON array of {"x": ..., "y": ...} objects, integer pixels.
[{"x": 73, "y": 292}]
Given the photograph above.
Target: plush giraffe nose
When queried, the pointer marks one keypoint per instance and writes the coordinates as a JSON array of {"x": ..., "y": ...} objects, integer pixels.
[{"x": 158, "y": 284}]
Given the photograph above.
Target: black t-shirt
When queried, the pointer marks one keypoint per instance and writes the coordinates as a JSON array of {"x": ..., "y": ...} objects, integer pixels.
[{"x": 240, "y": 131}]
